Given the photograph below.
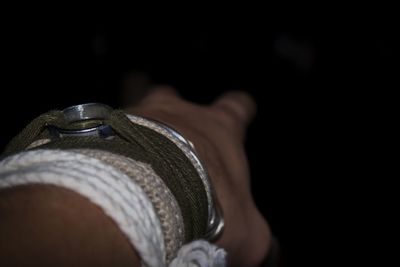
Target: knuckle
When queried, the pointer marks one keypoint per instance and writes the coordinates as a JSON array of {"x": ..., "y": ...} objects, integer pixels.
[{"x": 226, "y": 115}]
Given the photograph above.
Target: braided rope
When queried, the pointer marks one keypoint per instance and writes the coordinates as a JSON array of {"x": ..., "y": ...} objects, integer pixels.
[
  {"x": 119, "y": 197},
  {"x": 163, "y": 201}
]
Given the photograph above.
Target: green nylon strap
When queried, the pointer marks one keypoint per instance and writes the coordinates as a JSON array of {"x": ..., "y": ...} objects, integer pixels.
[
  {"x": 141, "y": 144},
  {"x": 31, "y": 132}
]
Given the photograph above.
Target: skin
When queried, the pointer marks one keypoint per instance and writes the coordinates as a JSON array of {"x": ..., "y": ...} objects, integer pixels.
[{"x": 71, "y": 229}]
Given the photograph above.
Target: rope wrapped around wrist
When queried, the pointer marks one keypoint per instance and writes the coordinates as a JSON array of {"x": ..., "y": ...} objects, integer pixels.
[{"x": 141, "y": 144}]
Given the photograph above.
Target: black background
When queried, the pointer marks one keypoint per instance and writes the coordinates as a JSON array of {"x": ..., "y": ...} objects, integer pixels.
[{"x": 314, "y": 85}]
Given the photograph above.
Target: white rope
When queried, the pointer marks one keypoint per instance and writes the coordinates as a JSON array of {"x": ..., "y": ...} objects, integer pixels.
[
  {"x": 164, "y": 202},
  {"x": 118, "y": 196},
  {"x": 113, "y": 191},
  {"x": 199, "y": 253}
]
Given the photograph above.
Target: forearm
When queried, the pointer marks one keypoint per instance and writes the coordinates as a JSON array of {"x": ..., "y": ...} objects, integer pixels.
[{"x": 43, "y": 225}]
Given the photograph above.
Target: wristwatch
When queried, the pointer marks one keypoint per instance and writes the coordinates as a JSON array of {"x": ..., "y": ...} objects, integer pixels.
[{"x": 89, "y": 120}]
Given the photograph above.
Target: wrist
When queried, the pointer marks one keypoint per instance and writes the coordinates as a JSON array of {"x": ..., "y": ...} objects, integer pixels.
[{"x": 123, "y": 138}]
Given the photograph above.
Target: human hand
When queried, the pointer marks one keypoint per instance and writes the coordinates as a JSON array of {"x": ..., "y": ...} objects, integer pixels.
[{"x": 217, "y": 132}]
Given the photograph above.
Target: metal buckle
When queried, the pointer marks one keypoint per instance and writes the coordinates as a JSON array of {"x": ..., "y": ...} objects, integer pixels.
[
  {"x": 216, "y": 224},
  {"x": 84, "y": 112}
]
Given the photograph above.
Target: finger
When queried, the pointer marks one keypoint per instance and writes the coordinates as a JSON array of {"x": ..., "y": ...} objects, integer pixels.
[
  {"x": 236, "y": 107},
  {"x": 160, "y": 94}
]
